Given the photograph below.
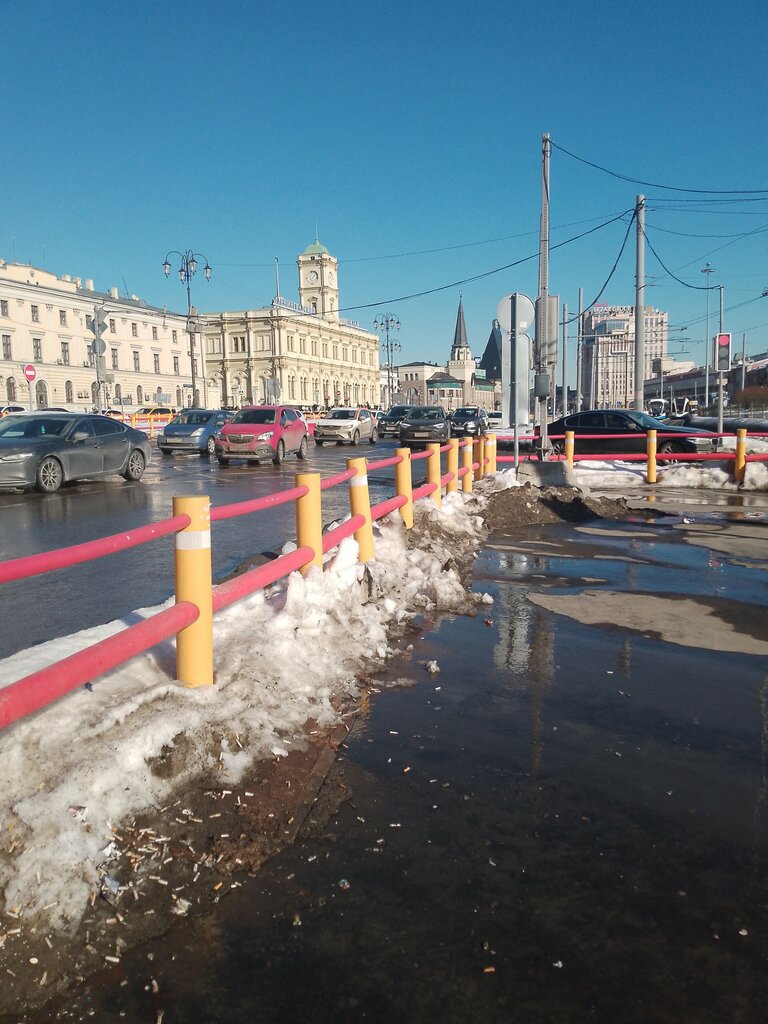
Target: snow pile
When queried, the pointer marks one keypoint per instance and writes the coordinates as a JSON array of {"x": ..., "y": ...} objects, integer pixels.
[{"x": 71, "y": 771}]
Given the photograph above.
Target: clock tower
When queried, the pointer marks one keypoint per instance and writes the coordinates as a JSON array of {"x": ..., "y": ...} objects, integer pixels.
[{"x": 318, "y": 281}]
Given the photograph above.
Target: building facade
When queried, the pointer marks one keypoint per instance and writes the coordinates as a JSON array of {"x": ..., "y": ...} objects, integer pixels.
[
  {"x": 608, "y": 354},
  {"x": 300, "y": 353},
  {"x": 46, "y": 322}
]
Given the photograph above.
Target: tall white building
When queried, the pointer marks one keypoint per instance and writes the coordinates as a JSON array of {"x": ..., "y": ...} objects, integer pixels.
[
  {"x": 608, "y": 353},
  {"x": 46, "y": 322},
  {"x": 301, "y": 353}
]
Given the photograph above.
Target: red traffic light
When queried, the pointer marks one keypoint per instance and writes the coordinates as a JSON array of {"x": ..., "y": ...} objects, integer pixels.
[
  {"x": 723, "y": 341},
  {"x": 723, "y": 351}
]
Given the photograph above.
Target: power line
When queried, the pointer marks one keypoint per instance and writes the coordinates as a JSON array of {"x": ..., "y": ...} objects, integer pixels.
[
  {"x": 671, "y": 188},
  {"x": 613, "y": 270}
]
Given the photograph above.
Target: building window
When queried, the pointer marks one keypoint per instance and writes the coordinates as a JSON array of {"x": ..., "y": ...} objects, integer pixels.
[
  {"x": 35, "y": 314},
  {"x": 10, "y": 389},
  {"x": 69, "y": 391},
  {"x": 134, "y": 330},
  {"x": 325, "y": 350},
  {"x": 156, "y": 361},
  {"x": 63, "y": 317},
  {"x": 154, "y": 334},
  {"x": 114, "y": 358},
  {"x": 174, "y": 335},
  {"x": 335, "y": 351},
  {"x": 303, "y": 346},
  {"x": 139, "y": 395},
  {"x": 37, "y": 350},
  {"x": 111, "y": 326},
  {"x": 345, "y": 354},
  {"x": 65, "y": 352},
  {"x": 176, "y": 364},
  {"x": 7, "y": 354},
  {"x": 3, "y": 307},
  {"x": 314, "y": 346},
  {"x": 136, "y": 364}
]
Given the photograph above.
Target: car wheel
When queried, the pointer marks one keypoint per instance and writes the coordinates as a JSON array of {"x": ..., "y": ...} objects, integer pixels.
[
  {"x": 671, "y": 448},
  {"x": 222, "y": 461},
  {"x": 302, "y": 452},
  {"x": 210, "y": 447},
  {"x": 279, "y": 455},
  {"x": 319, "y": 443},
  {"x": 373, "y": 438},
  {"x": 356, "y": 438},
  {"x": 49, "y": 476},
  {"x": 134, "y": 467},
  {"x": 558, "y": 448}
]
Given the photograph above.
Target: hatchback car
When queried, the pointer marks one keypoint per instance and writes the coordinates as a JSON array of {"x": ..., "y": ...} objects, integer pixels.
[
  {"x": 6, "y": 410},
  {"x": 424, "y": 424},
  {"x": 389, "y": 422},
  {"x": 193, "y": 430},
  {"x": 469, "y": 421},
  {"x": 259, "y": 432},
  {"x": 46, "y": 450},
  {"x": 593, "y": 432},
  {"x": 346, "y": 425}
]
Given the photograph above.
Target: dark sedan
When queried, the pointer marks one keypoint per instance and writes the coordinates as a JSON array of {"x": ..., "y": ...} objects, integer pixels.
[
  {"x": 389, "y": 422},
  {"x": 424, "y": 424},
  {"x": 46, "y": 450},
  {"x": 594, "y": 434}
]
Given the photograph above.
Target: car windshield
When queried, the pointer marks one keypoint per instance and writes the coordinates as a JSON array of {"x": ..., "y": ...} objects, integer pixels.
[
  {"x": 425, "y": 414},
  {"x": 397, "y": 410},
  {"x": 470, "y": 410},
  {"x": 35, "y": 426},
  {"x": 342, "y": 414},
  {"x": 254, "y": 416},
  {"x": 194, "y": 416},
  {"x": 644, "y": 420}
]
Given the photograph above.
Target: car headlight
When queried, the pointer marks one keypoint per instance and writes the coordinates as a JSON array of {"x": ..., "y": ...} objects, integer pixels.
[
  {"x": 196, "y": 433},
  {"x": 16, "y": 457},
  {"x": 266, "y": 437}
]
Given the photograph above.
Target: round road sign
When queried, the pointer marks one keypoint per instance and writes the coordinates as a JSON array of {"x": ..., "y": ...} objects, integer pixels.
[{"x": 30, "y": 372}]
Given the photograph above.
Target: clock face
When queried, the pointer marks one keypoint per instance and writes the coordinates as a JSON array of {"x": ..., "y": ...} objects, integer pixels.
[{"x": 312, "y": 276}]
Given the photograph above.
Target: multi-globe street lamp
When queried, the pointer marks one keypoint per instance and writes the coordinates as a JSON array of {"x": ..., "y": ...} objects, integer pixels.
[
  {"x": 187, "y": 269},
  {"x": 388, "y": 322}
]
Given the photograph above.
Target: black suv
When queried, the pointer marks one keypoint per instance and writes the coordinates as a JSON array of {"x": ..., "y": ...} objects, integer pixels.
[
  {"x": 469, "y": 421},
  {"x": 389, "y": 422}
]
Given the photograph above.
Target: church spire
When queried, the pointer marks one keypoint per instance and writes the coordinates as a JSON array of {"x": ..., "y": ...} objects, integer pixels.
[{"x": 460, "y": 334}]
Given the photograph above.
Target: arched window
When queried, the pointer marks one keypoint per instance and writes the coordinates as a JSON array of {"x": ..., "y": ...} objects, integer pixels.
[
  {"x": 178, "y": 397},
  {"x": 95, "y": 393},
  {"x": 10, "y": 389},
  {"x": 41, "y": 395},
  {"x": 139, "y": 395},
  {"x": 69, "y": 391},
  {"x": 292, "y": 388},
  {"x": 304, "y": 396},
  {"x": 118, "y": 394}
]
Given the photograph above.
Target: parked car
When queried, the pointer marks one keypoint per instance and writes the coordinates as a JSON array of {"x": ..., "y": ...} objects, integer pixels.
[
  {"x": 6, "y": 410},
  {"x": 495, "y": 420},
  {"x": 47, "y": 449},
  {"x": 193, "y": 430},
  {"x": 346, "y": 424},
  {"x": 632, "y": 426},
  {"x": 424, "y": 424},
  {"x": 155, "y": 410},
  {"x": 469, "y": 421},
  {"x": 258, "y": 432},
  {"x": 389, "y": 422}
]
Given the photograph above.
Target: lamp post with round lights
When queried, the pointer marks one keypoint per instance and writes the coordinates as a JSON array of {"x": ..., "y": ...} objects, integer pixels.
[
  {"x": 187, "y": 270},
  {"x": 388, "y": 322}
]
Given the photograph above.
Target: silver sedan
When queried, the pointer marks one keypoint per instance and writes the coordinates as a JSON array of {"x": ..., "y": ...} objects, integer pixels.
[{"x": 47, "y": 449}]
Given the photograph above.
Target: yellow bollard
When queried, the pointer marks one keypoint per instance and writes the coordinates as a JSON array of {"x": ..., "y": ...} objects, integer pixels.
[
  {"x": 650, "y": 470},
  {"x": 490, "y": 449},
  {"x": 480, "y": 471},
  {"x": 452, "y": 466},
  {"x": 569, "y": 436},
  {"x": 309, "y": 519},
  {"x": 404, "y": 485},
  {"x": 194, "y": 582},
  {"x": 740, "y": 465},
  {"x": 434, "y": 473},
  {"x": 360, "y": 505},
  {"x": 466, "y": 463}
]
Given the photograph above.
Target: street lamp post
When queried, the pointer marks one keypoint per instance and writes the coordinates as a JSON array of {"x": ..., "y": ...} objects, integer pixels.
[
  {"x": 387, "y": 322},
  {"x": 187, "y": 269},
  {"x": 707, "y": 269}
]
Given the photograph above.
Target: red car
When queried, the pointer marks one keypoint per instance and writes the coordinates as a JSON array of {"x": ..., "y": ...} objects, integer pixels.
[{"x": 258, "y": 432}]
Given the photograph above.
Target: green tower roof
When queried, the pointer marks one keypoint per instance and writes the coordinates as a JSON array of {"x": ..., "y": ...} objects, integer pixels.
[{"x": 315, "y": 249}]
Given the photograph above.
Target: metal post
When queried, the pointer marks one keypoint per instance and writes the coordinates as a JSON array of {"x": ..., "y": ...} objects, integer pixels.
[
  {"x": 565, "y": 360},
  {"x": 542, "y": 320},
  {"x": 708, "y": 269},
  {"x": 720, "y": 374},
  {"x": 579, "y": 355},
  {"x": 743, "y": 359},
  {"x": 640, "y": 305}
]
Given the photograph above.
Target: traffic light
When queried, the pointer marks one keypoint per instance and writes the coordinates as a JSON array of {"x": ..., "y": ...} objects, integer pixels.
[{"x": 723, "y": 351}]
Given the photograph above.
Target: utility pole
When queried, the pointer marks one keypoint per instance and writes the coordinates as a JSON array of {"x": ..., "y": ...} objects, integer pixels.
[
  {"x": 565, "y": 360},
  {"x": 579, "y": 341},
  {"x": 640, "y": 305},
  {"x": 707, "y": 269},
  {"x": 743, "y": 359},
  {"x": 720, "y": 374},
  {"x": 541, "y": 386}
]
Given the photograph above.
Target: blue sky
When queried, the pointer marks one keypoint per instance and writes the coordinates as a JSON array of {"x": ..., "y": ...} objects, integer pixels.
[{"x": 409, "y": 133}]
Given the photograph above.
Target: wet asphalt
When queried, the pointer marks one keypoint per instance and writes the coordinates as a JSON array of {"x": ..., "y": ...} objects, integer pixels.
[{"x": 568, "y": 822}]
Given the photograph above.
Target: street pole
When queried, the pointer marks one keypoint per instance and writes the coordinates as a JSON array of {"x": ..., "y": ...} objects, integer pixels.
[
  {"x": 579, "y": 341},
  {"x": 565, "y": 359},
  {"x": 743, "y": 359},
  {"x": 707, "y": 269},
  {"x": 640, "y": 305},
  {"x": 388, "y": 321},
  {"x": 187, "y": 268},
  {"x": 542, "y": 318},
  {"x": 720, "y": 374}
]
